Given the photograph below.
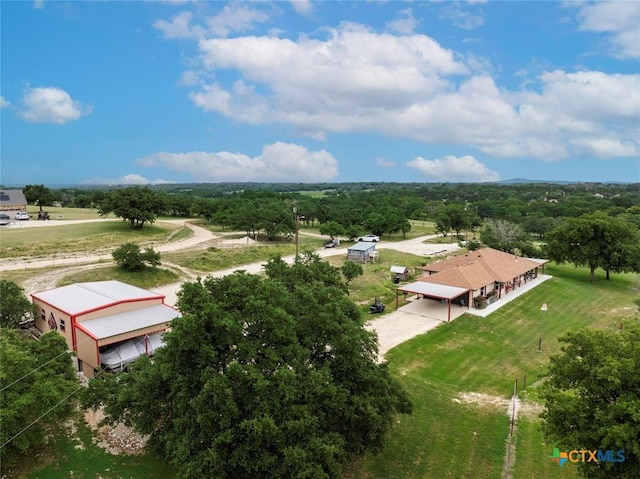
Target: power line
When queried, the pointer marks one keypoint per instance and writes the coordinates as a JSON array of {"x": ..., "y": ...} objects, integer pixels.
[
  {"x": 48, "y": 411},
  {"x": 41, "y": 366}
]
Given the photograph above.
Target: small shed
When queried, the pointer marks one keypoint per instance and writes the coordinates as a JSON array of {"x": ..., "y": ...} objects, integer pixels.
[
  {"x": 363, "y": 252},
  {"x": 399, "y": 272}
]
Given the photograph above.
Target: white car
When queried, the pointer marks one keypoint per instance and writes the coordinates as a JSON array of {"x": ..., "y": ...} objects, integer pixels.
[
  {"x": 369, "y": 238},
  {"x": 22, "y": 215}
]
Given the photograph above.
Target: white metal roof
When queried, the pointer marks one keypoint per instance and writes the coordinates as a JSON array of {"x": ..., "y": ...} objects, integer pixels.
[
  {"x": 128, "y": 321},
  {"x": 398, "y": 269},
  {"x": 82, "y": 297},
  {"x": 362, "y": 246},
  {"x": 433, "y": 290}
]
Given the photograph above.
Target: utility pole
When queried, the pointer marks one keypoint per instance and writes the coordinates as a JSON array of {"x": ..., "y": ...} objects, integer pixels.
[{"x": 295, "y": 213}]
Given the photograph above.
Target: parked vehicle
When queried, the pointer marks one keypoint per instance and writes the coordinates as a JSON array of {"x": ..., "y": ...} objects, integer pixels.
[
  {"x": 4, "y": 219},
  {"x": 369, "y": 238},
  {"x": 333, "y": 243},
  {"x": 43, "y": 215},
  {"x": 376, "y": 307},
  {"x": 22, "y": 215}
]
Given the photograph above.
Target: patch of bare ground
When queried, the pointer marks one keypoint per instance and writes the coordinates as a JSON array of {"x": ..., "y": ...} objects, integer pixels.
[
  {"x": 118, "y": 439},
  {"x": 483, "y": 400}
]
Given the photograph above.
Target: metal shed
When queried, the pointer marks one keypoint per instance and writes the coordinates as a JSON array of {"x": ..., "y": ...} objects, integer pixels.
[
  {"x": 399, "y": 272},
  {"x": 363, "y": 252}
]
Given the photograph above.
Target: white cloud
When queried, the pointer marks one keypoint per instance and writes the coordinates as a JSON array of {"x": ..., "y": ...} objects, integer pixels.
[
  {"x": 405, "y": 23},
  {"x": 179, "y": 26},
  {"x": 4, "y": 103},
  {"x": 451, "y": 168},
  {"x": 606, "y": 148},
  {"x": 278, "y": 162},
  {"x": 38, "y": 4},
  {"x": 130, "y": 179},
  {"x": 233, "y": 18},
  {"x": 382, "y": 163},
  {"x": 303, "y": 7},
  {"x": 619, "y": 19},
  {"x": 50, "y": 105},
  {"x": 409, "y": 86},
  {"x": 460, "y": 16}
]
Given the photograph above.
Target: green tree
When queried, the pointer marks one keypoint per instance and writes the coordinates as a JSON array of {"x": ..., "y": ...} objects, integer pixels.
[
  {"x": 38, "y": 195},
  {"x": 593, "y": 399},
  {"x": 351, "y": 270},
  {"x": 596, "y": 241},
  {"x": 459, "y": 218},
  {"x": 332, "y": 228},
  {"x": 37, "y": 382},
  {"x": 137, "y": 205},
  {"x": 13, "y": 304},
  {"x": 261, "y": 377},
  {"x": 130, "y": 257}
]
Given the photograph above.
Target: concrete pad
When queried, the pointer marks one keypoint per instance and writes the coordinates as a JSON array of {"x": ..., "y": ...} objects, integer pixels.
[{"x": 397, "y": 327}]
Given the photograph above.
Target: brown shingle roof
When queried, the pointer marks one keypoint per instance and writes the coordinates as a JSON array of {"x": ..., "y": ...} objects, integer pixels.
[{"x": 478, "y": 268}]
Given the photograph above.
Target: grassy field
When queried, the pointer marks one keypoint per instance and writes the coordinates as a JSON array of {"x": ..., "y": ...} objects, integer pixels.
[
  {"x": 82, "y": 238},
  {"x": 446, "y": 439},
  {"x": 148, "y": 278},
  {"x": 222, "y": 257},
  {"x": 57, "y": 213}
]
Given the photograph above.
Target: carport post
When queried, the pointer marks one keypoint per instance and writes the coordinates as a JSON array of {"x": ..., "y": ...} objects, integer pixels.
[
  {"x": 449, "y": 317},
  {"x": 396, "y": 298}
]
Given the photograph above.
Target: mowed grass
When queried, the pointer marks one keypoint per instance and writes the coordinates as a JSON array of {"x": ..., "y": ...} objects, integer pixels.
[
  {"x": 82, "y": 238},
  {"x": 486, "y": 355}
]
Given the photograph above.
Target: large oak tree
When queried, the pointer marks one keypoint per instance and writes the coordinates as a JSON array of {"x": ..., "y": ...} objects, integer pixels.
[
  {"x": 596, "y": 241},
  {"x": 135, "y": 204},
  {"x": 261, "y": 377},
  {"x": 593, "y": 399}
]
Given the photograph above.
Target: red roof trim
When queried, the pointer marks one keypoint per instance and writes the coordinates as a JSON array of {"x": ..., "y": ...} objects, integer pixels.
[{"x": 86, "y": 331}]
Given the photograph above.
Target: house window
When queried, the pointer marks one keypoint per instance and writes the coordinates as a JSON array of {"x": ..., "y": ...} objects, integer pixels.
[
  {"x": 63, "y": 327},
  {"x": 43, "y": 315},
  {"x": 482, "y": 291}
]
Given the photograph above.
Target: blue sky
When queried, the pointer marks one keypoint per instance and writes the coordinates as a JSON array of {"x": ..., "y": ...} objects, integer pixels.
[{"x": 177, "y": 91}]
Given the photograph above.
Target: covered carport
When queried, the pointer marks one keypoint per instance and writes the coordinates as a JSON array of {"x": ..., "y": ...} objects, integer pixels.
[{"x": 435, "y": 291}]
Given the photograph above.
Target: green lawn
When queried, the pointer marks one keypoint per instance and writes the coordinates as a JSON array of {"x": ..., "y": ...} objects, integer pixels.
[{"x": 486, "y": 355}]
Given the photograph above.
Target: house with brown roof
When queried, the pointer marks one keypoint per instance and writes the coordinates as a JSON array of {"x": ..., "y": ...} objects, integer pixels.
[{"x": 476, "y": 279}]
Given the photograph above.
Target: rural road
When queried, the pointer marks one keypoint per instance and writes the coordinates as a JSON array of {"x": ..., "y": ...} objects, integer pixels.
[{"x": 392, "y": 329}]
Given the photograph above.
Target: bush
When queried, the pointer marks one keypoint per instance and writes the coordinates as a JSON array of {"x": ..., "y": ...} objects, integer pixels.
[{"x": 130, "y": 258}]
